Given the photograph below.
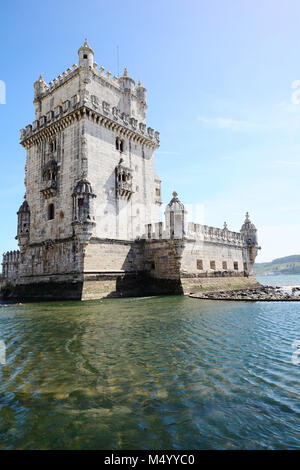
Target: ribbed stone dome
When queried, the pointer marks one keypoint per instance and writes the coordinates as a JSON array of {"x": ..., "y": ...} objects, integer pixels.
[
  {"x": 175, "y": 204},
  {"x": 24, "y": 207},
  {"x": 247, "y": 225},
  {"x": 83, "y": 187}
]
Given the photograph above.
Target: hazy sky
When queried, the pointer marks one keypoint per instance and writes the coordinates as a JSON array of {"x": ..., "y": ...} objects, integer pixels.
[{"x": 219, "y": 77}]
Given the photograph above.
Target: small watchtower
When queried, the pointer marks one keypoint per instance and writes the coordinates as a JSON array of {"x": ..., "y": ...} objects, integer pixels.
[
  {"x": 86, "y": 55},
  {"x": 176, "y": 218}
]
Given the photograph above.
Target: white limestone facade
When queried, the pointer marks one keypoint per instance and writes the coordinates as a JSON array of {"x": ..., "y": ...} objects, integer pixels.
[{"x": 92, "y": 198}]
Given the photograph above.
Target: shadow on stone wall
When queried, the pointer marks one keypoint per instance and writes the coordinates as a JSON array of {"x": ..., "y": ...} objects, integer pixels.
[{"x": 43, "y": 291}]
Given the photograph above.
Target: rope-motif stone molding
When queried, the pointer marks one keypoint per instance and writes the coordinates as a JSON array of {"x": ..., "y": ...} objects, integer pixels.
[{"x": 36, "y": 132}]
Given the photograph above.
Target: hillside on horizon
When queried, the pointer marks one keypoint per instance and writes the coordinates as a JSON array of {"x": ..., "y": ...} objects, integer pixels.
[{"x": 286, "y": 265}]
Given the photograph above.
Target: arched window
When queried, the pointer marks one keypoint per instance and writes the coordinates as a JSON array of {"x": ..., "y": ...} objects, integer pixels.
[
  {"x": 52, "y": 145},
  {"x": 120, "y": 144},
  {"x": 51, "y": 212}
]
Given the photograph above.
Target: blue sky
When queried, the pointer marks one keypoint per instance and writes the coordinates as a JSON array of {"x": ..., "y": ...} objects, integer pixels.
[{"x": 219, "y": 76}]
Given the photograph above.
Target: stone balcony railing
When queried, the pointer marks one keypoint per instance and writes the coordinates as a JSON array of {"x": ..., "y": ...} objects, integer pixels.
[
  {"x": 50, "y": 189},
  {"x": 124, "y": 189}
]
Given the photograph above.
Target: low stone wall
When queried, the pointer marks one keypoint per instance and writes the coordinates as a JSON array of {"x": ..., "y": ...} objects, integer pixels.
[
  {"x": 138, "y": 284},
  {"x": 92, "y": 287},
  {"x": 193, "y": 285}
]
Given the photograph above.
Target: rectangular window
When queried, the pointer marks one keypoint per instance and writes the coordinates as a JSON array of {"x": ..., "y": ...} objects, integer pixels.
[
  {"x": 224, "y": 265},
  {"x": 212, "y": 265},
  {"x": 199, "y": 264},
  {"x": 51, "y": 212},
  {"x": 236, "y": 266}
]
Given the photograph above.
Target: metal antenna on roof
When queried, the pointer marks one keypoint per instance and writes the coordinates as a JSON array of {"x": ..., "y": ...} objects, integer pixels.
[{"x": 118, "y": 65}]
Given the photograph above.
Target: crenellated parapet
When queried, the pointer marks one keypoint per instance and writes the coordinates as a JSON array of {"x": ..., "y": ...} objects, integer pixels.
[
  {"x": 102, "y": 114},
  {"x": 113, "y": 102},
  {"x": 10, "y": 265},
  {"x": 42, "y": 89},
  {"x": 124, "y": 84}
]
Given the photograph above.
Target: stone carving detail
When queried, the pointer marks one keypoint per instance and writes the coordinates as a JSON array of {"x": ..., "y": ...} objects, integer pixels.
[
  {"x": 50, "y": 179},
  {"x": 150, "y": 132},
  {"x": 142, "y": 127},
  {"x": 95, "y": 101},
  {"x": 125, "y": 118},
  {"x": 123, "y": 181},
  {"x": 82, "y": 202},
  {"x": 106, "y": 107},
  {"x": 133, "y": 123},
  {"x": 23, "y": 231},
  {"x": 116, "y": 113}
]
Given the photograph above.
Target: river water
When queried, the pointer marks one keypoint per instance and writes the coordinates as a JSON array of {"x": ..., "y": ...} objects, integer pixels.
[{"x": 151, "y": 373}]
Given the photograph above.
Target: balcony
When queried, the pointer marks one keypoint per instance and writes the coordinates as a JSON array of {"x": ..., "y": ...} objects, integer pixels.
[{"x": 50, "y": 189}]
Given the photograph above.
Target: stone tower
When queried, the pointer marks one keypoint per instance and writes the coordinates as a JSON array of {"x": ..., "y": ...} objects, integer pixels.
[
  {"x": 89, "y": 224},
  {"x": 249, "y": 232},
  {"x": 90, "y": 127}
]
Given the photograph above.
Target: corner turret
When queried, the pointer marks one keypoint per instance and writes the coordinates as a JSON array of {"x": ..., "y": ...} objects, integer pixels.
[
  {"x": 40, "y": 87},
  {"x": 86, "y": 55},
  {"x": 175, "y": 217},
  {"x": 83, "y": 211},
  {"x": 23, "y": 232},
  {"x": 251, "y": 247},
  {"x": 126, "y": 82},
  {"x": 250, "y": 232},
  {"x": 141, "y": 93}
]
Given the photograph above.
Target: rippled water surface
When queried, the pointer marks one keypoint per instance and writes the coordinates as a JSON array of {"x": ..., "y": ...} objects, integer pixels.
[{"x": 152, "y": 373}]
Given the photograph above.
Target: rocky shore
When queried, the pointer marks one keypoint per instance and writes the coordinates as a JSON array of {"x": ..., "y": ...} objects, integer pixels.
[{"x": 263, "y": 293}]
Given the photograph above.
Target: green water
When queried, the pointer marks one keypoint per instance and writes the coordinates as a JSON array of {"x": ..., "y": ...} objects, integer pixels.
[{"x": 153, "y": 373}]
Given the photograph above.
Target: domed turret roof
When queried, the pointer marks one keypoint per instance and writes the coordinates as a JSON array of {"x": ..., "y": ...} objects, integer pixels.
[
  {"x": 126, "y": 78},
  {"x": 24, "y": 207},
  {"x": 86, "y": 47},
  {"x": 247, "y": 225},
  {"x": 175, "y": 204},
  {"x": 140, "y": 86},
  {"x": 83, "y": 187}
]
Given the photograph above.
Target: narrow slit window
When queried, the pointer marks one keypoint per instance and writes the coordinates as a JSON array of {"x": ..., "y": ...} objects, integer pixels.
[{"x": 51, "y": 212}]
